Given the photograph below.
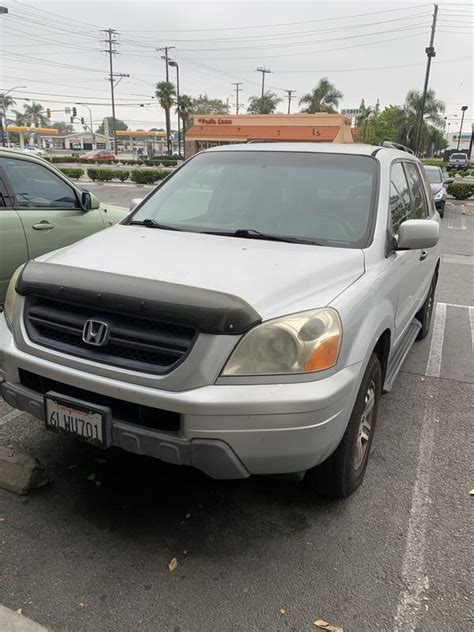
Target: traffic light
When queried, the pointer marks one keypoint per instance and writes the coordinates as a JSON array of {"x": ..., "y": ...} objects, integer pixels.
[
  {"x": 48, "y": 113},
  {"x": 72, "y": 119},
  {"x": 82, "y": 120},
  {"x": 74, "y": 112}
]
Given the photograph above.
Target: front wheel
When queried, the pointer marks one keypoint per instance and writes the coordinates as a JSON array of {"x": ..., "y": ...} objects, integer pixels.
[
  {"x": 342, "y": 473},
  {"x": 426, "y": 311}
]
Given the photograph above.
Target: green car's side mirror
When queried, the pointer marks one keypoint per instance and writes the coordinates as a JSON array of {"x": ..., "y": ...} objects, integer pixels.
[{"x": 89, "y": 201}]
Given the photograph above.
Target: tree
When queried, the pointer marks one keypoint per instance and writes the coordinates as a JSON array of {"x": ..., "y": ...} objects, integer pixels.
[
  {"x": 203, "y": 105},
  {"x": 264, "y": 105},
  {"x": 432, "y": 118},
  {"x": 63, "y": 128},
  {"x": 6, "y": 101},
  {"x": 119, "y": 125},
  {"x": 323, "y": 98},
  {"x": 32, "y": 116},
  {"x": 165, "y": 91},
  {"x": 186, "y": 105}
]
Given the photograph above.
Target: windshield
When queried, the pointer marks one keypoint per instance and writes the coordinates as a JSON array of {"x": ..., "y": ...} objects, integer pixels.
[
  {"x": 434, "y": 176},
  {"x": 318, "y": 198}
]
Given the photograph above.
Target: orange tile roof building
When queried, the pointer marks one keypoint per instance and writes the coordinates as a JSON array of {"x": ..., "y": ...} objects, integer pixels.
[{"x": 221, "y": 129}]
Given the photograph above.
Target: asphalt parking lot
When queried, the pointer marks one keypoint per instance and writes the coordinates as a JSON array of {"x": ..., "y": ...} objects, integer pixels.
[{"x": 91, "y": 551}]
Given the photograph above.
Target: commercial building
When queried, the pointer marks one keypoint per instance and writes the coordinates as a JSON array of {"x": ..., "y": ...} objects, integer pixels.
[{"x": 214, "y": 130}]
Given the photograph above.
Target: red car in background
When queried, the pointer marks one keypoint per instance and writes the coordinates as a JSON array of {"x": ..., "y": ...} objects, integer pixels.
[{"x": 99, "y": 154}]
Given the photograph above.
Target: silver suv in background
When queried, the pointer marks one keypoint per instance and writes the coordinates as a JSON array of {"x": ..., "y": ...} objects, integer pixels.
[
  {"x": 437, "y": 182},
  {"x": 268, "y": 296}
]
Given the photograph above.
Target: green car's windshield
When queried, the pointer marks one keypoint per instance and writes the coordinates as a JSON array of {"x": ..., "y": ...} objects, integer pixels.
[{"x": 294, "y": 196}]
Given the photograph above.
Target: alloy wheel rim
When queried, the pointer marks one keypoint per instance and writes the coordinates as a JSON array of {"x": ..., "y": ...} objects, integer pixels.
[{"x": 365, "y": 426}]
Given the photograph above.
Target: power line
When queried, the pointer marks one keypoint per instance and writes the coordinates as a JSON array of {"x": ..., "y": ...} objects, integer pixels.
[{"x": 260, "y": 26}]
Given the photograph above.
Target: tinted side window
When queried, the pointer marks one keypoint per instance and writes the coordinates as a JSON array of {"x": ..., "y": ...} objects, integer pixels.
[
  {"x": 400, "y": 202},
  {"x": 420, "y": 210},
  {"x": 35, "y": 186}
]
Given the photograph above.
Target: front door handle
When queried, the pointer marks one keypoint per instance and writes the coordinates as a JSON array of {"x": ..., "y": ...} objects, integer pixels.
[
  {"x": 423, "y": 255},
  {"x": 44, "y": 225}
]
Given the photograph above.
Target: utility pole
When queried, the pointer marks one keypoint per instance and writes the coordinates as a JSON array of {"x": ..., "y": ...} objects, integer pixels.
[
  {"x": 290, "y": 95},
  {"x": 167, "y": 113},
  {"x": 238, "y": 89},
  {"x": 430, "y": 53},
  {"x": 264, "y": 71},
  {"x": 464, "y": 108}
]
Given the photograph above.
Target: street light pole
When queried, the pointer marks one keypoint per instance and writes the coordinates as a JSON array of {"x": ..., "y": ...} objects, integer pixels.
[
  {"x": 463, "y": 109},
  {"x": 175, "y": 64}
]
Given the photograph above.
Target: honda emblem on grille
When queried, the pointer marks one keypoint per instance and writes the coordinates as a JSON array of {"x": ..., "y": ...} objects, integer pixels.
[{"x": 95, "y": 333}]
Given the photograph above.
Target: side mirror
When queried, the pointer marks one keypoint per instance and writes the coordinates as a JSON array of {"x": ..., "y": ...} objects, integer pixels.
[
  {"x": 416, "y": 234},
  {"x": 89, "y": 201},
  {"x": 134, "y": 203}
]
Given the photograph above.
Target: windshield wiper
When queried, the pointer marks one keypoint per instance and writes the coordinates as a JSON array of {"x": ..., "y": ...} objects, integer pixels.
[
  {"x": 253, "y": 233},
  {"x": 152, "y": 223}
]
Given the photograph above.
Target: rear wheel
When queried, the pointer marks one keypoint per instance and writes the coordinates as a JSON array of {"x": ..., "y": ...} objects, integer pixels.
[
  {"x": 426, "y": 312},
  {"x": 341, "y": 474}
]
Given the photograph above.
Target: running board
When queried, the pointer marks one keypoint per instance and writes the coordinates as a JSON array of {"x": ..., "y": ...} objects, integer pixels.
[{"x": 396, "y": 361}]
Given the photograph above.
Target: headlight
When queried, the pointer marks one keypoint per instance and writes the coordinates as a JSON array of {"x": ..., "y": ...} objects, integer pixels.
[
  {"x": 10, "y": 297},
  {"x": 300, "y": 343},
  {"x": 439, "y": 194}
]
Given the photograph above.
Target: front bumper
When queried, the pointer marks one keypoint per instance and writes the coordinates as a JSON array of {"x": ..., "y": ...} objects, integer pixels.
[{"x": 227, "y": 431}]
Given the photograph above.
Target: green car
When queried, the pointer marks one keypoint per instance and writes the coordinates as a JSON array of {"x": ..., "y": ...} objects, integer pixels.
[{"x": 42, "y": 210}]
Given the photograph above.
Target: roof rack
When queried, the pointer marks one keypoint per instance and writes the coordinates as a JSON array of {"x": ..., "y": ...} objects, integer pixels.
[{"x": 390, "y": 144}]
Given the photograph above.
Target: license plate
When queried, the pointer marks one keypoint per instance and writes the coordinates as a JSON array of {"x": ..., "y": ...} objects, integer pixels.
[{"x": 78, "y": 419}]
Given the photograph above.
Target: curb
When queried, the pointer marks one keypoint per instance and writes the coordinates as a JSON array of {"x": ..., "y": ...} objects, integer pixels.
[{"x": 15, "y": 622}]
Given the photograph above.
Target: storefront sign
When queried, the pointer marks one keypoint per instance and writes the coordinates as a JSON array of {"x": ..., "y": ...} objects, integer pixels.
[{"x": 214, "y": 121}]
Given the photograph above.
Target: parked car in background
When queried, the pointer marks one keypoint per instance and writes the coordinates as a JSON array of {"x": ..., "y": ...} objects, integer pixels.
[
  {"x": 458, "y": 161},
  {"x": 437, "y": 182},
  {"x": 41, "y": 210},
  {"x": 99, "y": 154},
  {"x": 34, "y": 151},
  {"x": 248, "y": 326}
]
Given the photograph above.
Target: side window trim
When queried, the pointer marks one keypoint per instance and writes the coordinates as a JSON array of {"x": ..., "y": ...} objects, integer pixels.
[
  {"x": 6, "y": 191},
  {"x": 401, "y": 162}
]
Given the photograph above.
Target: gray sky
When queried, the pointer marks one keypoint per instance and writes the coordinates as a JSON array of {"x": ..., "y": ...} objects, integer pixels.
[{"x": 368, "y": 49}]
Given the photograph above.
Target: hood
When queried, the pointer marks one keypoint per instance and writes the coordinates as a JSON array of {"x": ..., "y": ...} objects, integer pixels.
[
  {"x": 275, "y": 278},
  {"x": 436, "y": 187}
]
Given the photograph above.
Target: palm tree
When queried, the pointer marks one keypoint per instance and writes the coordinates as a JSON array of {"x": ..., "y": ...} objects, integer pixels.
[
  {"x": 185, "y": 109},
  {"x": 32, "y": 116},
  {"x": 263, "y": 105},
  {"x": 432, "y": 117},
  {"x": 323, "y": 98},
  {"x": 165, "y": 91},
  {"x": 6, "y": 101}
]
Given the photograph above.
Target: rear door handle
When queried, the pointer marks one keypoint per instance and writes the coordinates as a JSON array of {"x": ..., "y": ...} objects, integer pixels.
[
  {"x": 423, "y": 255},
  {"x": 44, "y": 225}
]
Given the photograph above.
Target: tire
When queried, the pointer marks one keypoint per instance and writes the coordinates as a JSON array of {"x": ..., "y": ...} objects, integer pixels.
[
  {"x": 342, "y": 473},
  {"x": 426, "y": 312}
]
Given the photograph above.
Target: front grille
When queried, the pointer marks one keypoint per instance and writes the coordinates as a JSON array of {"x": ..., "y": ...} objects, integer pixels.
[
  {"x": 154, "y": 418},
  {"x": 134, "y": 342}
]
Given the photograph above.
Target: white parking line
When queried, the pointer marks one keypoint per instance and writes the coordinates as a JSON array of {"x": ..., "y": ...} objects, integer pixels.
[
  {"x": 471, "y": 322},
  {"x": 10, "y": 416},
  {"x": 414, "y": 575},
  {"x": 433, "y": 367}
]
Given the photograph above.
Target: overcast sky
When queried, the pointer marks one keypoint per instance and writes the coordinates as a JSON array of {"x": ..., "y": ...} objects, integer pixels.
[{"x": 370, "y": 50}]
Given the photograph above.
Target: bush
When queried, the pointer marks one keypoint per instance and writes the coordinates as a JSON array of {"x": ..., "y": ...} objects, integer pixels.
[
  {"x": 460, "y": 190},
  {"x": 433, "y": 162},
  {"x": 101, "y": 175},
  {"x": 122, "y": 174},
  {"x": 148, "y": 176},
  {"x": 73, "y": 172}
]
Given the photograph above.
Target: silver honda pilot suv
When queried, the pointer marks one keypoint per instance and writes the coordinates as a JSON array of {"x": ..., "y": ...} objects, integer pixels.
[{"x": 243, "y": 319}]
